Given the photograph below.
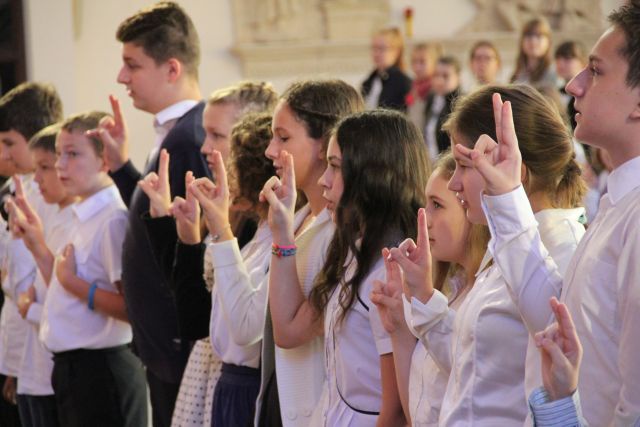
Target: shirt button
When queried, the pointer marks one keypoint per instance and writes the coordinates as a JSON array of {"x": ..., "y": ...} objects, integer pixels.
[
  {"x": 291, "y": 414},
  {"x": 306, "y": 412}
]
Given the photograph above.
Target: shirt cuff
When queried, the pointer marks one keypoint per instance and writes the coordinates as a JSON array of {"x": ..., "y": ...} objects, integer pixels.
[
  {"x": 426, "y": 316},
  {"x": 563, "y": 412},
  {"x": 508, "y": 213},
  {"x": 225, "y": 253},
  {"x": 34, "y": 313}
]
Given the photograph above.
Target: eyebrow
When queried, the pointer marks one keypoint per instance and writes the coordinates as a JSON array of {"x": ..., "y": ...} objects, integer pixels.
[
  {"x": 334, "y": 158},
  {"x": 594, "y": 58}
]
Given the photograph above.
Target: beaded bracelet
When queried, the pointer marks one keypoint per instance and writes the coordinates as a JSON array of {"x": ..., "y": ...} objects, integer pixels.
[
  {"x": 282, "y": 251},
  {"x": 91, "y": 296}
]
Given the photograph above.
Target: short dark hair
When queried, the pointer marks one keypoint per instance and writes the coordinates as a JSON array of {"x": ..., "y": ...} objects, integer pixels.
[
  {"x": 83, "y": 122},
  {"x": 164, "y": 31},
  {"x": 570, "y": 50},
  {"x": 627, "y": 18},
  {"x": 450, "y": 61},
  {"x": 29, "y": 107},
  {"x": 45, "y": 139}
]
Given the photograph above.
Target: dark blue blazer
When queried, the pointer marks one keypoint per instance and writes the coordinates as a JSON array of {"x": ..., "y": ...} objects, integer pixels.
[{"x": 150, "y": 304}]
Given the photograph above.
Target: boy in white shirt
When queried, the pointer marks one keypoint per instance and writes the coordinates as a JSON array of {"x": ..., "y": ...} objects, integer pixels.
[
  {"x": 24, "y": 110},
  {"x": 96, "y": 378},
  {"x": 36, "y": 401},
  {"x": 601, "y": 287}
]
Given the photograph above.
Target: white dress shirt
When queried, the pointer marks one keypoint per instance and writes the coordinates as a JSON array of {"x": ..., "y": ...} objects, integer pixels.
[
  {"x": 99, "y": 226},
  {"x": 353, "y": 348},
  {"x": 18, "y": 274},
  {"x": 164, "y": 121},
  {"x": 234, "y": 268},
  {"x": 601, "y": 289},
  {"x": 34, "y": 377},
  {"x": 486, "y": 384}
]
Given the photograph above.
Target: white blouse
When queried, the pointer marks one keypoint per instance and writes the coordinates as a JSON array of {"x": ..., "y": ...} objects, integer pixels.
[
  {"x": 600, "y": 289},
  {"x": 353, "y": 348},
  {"x": 236, "y": 270},
  {"x": 488, "y": 341}
]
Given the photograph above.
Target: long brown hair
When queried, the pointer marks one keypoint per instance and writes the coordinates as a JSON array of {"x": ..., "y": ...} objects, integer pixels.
[
  {"x": 384, "y": 170},
  {"x": 544, "y": 139},
  {"x": 538, "y": 25}
]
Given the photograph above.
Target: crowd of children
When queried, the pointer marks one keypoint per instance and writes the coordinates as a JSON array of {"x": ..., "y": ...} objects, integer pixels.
[{"x": 295, "y": 260}]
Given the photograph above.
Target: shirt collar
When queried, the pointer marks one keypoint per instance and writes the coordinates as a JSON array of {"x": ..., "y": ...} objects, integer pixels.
[
  {"x": 93, "y": 204},
  {"x": 174, "y": 111},
  {"x": 553, "y": 216},
  {"x": 623, "y": 179}
]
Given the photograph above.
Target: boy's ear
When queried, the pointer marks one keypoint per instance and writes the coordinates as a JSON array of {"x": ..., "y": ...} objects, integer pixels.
[
  {"x": 174, "y": 69},
  {"x": 635, "y": 114}
]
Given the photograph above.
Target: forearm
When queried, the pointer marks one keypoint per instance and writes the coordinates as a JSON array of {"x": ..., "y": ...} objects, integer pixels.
[
  {"x": 295, "y": 322},
  {"x": 44, "y": 261},
  {"x": 109, "y": 303},
  {"x": 391, "y": 408},
  {"x": 126, "y": 179},
  {"x": 404, "y": 344}
]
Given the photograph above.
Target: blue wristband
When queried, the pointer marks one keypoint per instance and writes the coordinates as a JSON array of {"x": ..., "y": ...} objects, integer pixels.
[{"x": 92, "y": 294}]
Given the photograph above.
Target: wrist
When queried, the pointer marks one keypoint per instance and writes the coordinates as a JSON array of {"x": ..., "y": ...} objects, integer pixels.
[{"x": 284, "y": 239}]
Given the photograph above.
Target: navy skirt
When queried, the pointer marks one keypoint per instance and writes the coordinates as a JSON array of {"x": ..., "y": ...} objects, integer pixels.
[{"x": 234, "y": 398}]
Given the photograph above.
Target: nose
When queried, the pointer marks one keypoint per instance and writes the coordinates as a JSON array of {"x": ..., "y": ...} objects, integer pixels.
[
  {"x": 4, "y": 154},
  {"x": 123, "y": 75},
  {"x": 455, "y": 183},
  {"x": 60, "y": 162},
  {"x": 576, "y": 85},
  {"x": 272, "y": 151},
  {"x": 323, "y": 181},
  {"x": 207, "y": 146}
]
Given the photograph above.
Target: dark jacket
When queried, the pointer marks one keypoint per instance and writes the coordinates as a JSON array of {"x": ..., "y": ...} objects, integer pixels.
[
  {"x": 395, "y": 87},
  {"x": 150, "y": 304},
  {"x": 442, "y": 138}
]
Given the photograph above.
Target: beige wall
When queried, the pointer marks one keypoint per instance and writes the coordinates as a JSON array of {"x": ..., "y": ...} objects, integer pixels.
[{"x": 82, "y": 58}]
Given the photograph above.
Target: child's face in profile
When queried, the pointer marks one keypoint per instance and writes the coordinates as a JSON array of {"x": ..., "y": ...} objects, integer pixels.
[
  {"x": 15, "y": 149},
  {"x": 46, "y": 176},
  {"x": 79, "y": 167}
]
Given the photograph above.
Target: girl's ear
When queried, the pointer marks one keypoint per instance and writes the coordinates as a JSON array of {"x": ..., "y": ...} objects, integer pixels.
[{"x": 524, "y": 176}]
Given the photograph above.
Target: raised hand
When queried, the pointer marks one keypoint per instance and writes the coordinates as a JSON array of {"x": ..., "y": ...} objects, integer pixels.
[
  {"x": 281, "y": 196},
  {"x": 561, "y": 353},
  {"x": 25, "y": 299},
  {"x": 157, "y": 188},
  {"x": 388, "y": 296},
  {"x": 65, "y": 267},
  {"x": 187, "y": 215},
  {"x": 113, "y": 133},
  {"x": 214, "y": 199},
  {"x": 415, "y": 260},
  {"x": 499, "y": 163}
]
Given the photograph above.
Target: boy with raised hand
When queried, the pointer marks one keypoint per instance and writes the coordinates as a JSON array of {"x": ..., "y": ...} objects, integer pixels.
[
  {"x": 36, "y": 402},
  {"x": 161, "y": 54},
  {"x": 601, "y": 287},
  {"x": 24, "y": 110},
  {"x": 96, "y": 378}
]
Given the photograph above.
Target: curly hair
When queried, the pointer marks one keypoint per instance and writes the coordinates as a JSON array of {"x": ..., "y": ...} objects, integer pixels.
[{"x": 250, "y": 168}]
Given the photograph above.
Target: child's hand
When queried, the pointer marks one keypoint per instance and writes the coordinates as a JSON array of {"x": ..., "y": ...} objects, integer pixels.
[
  {"x": 156, "y": 187},
  {"x": 187, "y": 215},
  {"x": 113, "y": 133},
  {"x": 500, "y": 164},
  {"x": 281, "y": 196},
  {"x": 25, "y": 222},
  {"x": 65, "y": 267},
  {"x": 388, "y": 296},
  {"x": 561, "y": 353},
  {"x": 25, "y": 299},
  {"x": 214, "y": 199},
  {"x": 415, "y": 261}
]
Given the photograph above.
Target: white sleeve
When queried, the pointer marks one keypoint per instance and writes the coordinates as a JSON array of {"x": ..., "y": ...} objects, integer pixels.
[
  {"x": 34, "y": 314},
  {"x": 243, "y": 295},
  {"x": 111, "y": 246},
  {"x": 531, "y": 274},
  {"x": 433, "y": 325},
  {"x": 628, "y": 407}
]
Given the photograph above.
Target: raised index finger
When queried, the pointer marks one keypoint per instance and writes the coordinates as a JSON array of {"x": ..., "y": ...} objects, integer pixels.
[
  {"x": 565, "y": 324},
  {"x": 423, "y": 233},
  {"x": 497, "y": 115},
  {"x": 288, "y": 175},
  {"x": 509, "y": 140},
  {"x": 117, "y": 112},
  {"x": 163, "y": 166},
  {"x": 220, "y": 172},
  {"x": 18, "y": 184}
]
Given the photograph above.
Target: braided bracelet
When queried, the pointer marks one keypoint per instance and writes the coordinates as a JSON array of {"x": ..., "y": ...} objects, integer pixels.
[{"x": 282, "y": 251}]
